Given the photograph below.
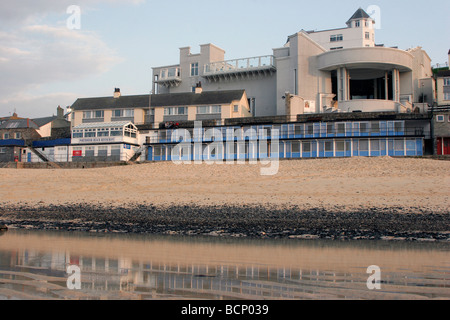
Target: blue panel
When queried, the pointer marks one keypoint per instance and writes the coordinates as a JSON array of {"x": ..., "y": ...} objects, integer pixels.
[
  {"x": 51, "y": 143},
  {"x": 306, "y": 155},
  {"x": 340, "y": 154},
  {"x": 329, "y": 154},
  {"x": 296, "y": 155},
  {"x": 364, "y": 153},
  {"x": 419, "y": 147},
  {"x": 150, "y": 153},
  {"x": 12, "y": 143},
  {"x": 375, "y": 153},
  {"x": 314, "y": 148},
  {"x": 29, "y": 157}
]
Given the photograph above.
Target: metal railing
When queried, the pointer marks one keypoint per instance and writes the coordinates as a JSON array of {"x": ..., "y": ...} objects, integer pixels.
[
  {"x": 267, "y": 132},
  {"x": 239, "y": 65}
]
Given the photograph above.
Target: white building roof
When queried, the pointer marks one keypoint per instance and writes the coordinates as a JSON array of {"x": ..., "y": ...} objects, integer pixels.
[{"x": 97, "y": 125}]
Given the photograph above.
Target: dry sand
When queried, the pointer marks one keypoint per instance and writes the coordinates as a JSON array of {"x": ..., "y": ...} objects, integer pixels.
[{"x": 347, "y": 184}]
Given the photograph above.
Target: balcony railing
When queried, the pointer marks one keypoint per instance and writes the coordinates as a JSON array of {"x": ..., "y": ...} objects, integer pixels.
[{"x": 263, "y": 64}]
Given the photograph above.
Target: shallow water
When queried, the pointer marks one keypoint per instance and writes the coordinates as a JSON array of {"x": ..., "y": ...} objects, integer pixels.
[{"x": 33, "y": 265}]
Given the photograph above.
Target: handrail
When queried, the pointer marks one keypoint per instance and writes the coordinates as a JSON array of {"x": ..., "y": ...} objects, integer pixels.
[{"x": 242, "y": 64}]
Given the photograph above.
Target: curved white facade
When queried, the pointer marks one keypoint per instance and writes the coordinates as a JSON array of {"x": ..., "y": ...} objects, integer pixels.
[{"x": 366, "y": 58}]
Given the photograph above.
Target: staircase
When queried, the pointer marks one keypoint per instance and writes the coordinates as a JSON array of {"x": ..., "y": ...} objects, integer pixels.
[
  {"x": 43, "y": 157},
  {"x": 137, "y": 154}
]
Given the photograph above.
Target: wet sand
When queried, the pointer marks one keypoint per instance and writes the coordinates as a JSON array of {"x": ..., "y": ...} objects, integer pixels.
[{"x": 369, "y": 198}]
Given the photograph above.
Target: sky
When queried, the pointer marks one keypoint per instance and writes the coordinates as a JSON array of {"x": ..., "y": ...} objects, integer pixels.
[{"x": 50, "y": 56}]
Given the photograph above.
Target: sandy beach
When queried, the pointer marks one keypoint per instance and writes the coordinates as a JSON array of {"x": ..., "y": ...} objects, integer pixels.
[{"x": 377, "y": 185}]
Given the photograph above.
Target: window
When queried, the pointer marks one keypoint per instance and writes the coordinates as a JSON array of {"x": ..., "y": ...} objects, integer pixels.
[
  {"x": 89, "y": 151},
  {"x": 328, "y": 146},
  {"x": 123, "y": 113},
  {"x": 296, "y": 147},
  {"x": 368, "y": 35},
  {"x": 2, "y": 150},
  {"x": 340, "y": 146},
  {"x": 341, "y": 128},
  {"x": 336, "y": 37},
  {"x": 175, "y": 111},
  {"x": 399, "y": 145},
  {"x": 18, "y": 135},
  {"x": 357, "y": 24},
  {"x": 336, "y": 48},
  {"x": 77, "y": 134},
  {"x": 209, "y": 109},
  {"x": 375, "y": 145},
  {"x": 6, "y": 136},
  {"x": 330, "y": 128},
  {"x": 440, "y": 118},
  {"x": 364, "y": 145},
  {"x": 236, "y": 108},
  {"x": 194, "y": 69},
  {"x": 446, "y": 81},
  {"x": 93, "y": 114},
  {"x": 115, "y": 150},
  {"x": 90, "y": 133},
  {"x": 364, "y": 127},
  {"x": 102, "y": 151},
  {"x": 103, "y": 132},
  {"x": 306, "y": 146},
  {"x": 375, "y": 127},
  {"x": 116, "y": 132},
  {"x": 447, "y": 96}
]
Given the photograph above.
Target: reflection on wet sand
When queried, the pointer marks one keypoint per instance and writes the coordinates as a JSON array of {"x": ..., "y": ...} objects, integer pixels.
[{"x": 33, "y": 266}]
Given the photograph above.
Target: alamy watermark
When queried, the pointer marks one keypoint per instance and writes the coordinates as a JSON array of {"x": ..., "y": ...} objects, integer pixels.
[
  {"x": 374, "y": 281},
  {"x": 374, "y": 12},
  {"x": 74, "y": 279},
  {"x": 238, "y": 146},
  {"x": 73, "y": 22}
]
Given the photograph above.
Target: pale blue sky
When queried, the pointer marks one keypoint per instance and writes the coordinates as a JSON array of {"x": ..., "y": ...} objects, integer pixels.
[{"x": 43, "y": 64}]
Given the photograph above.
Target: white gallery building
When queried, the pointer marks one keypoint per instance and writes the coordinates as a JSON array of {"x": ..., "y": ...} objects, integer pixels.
[{"x": 336, "y": 70}]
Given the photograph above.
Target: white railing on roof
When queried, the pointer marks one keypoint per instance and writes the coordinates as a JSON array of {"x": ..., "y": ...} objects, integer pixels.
[{"x": 240, "y": 65}]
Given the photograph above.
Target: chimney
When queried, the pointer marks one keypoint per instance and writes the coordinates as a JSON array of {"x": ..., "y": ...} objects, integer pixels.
[
  {"x": 60, "y": 112},
  {"x": 117, "y": 93},
  {"x": 198, "y": 88}
]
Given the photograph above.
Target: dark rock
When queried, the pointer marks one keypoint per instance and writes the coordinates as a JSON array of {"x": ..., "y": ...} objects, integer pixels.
[{"x": 3, "y": 227}]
